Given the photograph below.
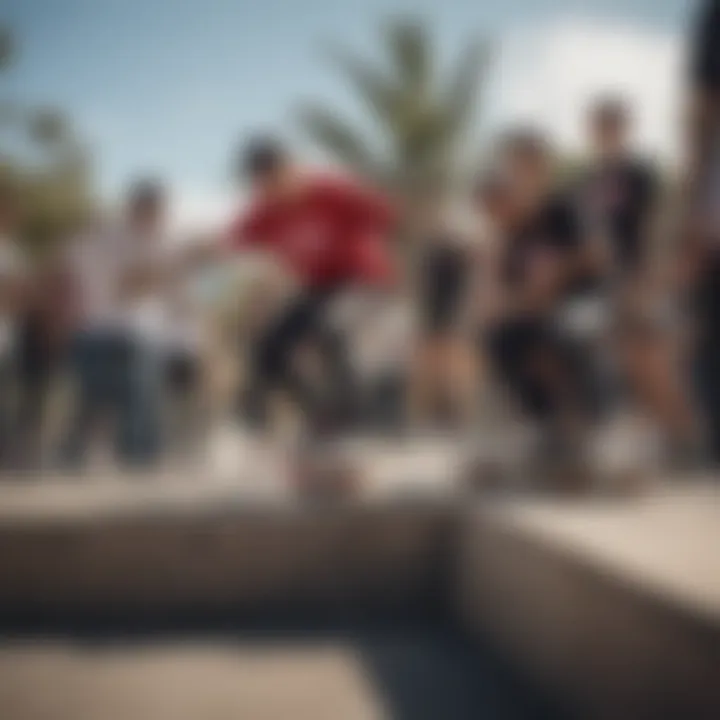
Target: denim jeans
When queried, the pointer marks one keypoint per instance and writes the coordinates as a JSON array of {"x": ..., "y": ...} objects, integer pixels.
[{"x": 118, "y": 379}]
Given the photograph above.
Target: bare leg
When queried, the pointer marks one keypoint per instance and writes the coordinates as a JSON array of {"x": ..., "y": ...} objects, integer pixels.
[
  {"x": 423, "y": 387},
  {"x": 653, "y": 375},
  {"x": 461, "y": 378}
]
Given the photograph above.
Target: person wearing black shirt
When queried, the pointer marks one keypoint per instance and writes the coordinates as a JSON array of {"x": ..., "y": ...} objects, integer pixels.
[
  {"x": 621, "y": 189},
  {"x": 619, "y": 199},
  {"x": 542, "y": 261},
  {"x": 700, "y": 253}
]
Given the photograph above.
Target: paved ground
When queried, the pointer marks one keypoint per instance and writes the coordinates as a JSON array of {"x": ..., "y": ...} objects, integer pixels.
[
  {"x": 397, "y": 674},
  {"x": 416, "y": 673},
  {"x": 668, "y": 540}
]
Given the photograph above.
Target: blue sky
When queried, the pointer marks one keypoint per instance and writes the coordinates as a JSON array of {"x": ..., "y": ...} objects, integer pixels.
[{"x": 169, "y": 86}]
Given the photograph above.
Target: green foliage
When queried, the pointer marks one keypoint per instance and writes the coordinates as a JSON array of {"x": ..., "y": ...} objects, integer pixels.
[
  {"x": 54, "y": 188},
  {"x": 423, "y": 119},
  {"x": 56, "y": 202}
]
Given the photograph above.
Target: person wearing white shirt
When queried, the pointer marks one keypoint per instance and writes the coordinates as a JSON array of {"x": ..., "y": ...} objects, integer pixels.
[{"x": 117, "y": 353}]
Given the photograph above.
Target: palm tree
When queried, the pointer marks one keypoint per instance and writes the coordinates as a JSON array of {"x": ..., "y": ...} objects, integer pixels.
[
  {"x": 56, "y": 187},
  {"x": 422, "y": 119}
]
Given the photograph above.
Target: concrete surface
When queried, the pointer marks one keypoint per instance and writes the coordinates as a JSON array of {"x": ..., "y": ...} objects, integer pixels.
[
  {"x": 666, "y": 543},
  {"x": 179, "y": 540},
  {"x": 240, "y": 472},
  {"x": 184, "y": 682},
  {"x": 380, "y": 673},
  {"x": 614, "y": 605}
]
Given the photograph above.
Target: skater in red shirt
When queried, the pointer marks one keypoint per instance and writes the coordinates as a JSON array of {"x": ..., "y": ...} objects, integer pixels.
[{"x": 330, "y": 233}]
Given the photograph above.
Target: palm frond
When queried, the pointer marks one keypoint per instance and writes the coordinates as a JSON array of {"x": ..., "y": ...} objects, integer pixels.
[
  {"x": 424, "y": 126},
  {"x": 463, "y": 96},
  {"x": 375, "y": 90},
  {"x": 410, "y": 50},
  {"x": 338, "y": 138}
]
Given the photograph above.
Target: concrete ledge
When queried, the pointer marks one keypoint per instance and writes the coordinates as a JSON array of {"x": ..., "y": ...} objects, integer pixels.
[
  {"x": 248, "y": 559},
  {"x": 242, "y": 540},
  {"x": 614, "y": 607}
]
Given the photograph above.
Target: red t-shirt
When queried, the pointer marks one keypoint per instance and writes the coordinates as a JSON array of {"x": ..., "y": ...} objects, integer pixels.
[{"x": 332, "y": 232}]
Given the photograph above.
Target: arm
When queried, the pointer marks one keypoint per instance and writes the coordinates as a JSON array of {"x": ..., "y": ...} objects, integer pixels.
[
  {"x": 245, "y": 233},
  {"x": 163, "y": 273}
]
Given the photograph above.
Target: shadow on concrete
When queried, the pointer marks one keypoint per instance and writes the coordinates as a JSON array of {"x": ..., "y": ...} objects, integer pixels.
[{"x": 419, "y": 664}]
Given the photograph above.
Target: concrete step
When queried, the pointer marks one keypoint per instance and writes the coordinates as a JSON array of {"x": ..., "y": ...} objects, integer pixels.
[
  {"x": 184, "y": 542},
  {"x": 613, "y": 605}
]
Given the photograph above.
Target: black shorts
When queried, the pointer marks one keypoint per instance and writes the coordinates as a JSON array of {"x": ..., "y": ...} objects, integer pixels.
[
  {"x": 513, "y": 346},
  {"x": 303, "y": 319},
  {"x": 444, "y": 281},
  {"x": 517, "y": 345}
]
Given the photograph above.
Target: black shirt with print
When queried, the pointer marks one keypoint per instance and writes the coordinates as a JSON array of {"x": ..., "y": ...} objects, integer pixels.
[
  {"x": 619, "y": 197},
  {"x": 557, "y": 227}
]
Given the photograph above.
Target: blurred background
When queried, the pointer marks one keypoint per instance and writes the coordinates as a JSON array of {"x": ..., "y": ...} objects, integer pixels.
[
  {"x": 97, "y": 96},
  {"x": 547, "y": 178}
]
